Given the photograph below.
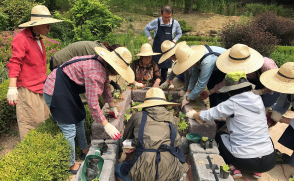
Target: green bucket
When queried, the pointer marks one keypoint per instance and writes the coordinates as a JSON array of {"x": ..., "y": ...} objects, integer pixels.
[
  {"x": 86, "y": 162},
  {"x": 194, "y": 137}
]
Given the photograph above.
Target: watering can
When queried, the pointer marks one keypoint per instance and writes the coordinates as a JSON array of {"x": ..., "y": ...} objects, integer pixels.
[{"x": 89, "y": 161}]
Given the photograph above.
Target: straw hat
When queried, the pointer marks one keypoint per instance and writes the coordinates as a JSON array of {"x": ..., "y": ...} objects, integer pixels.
[
  {"x": 187, "y": 57},
  {"x": 40, "y": 15},
  {"x": 280, "y": 80},
  {"x": 120, "y": 59},
  {"x": 289, "y": 114},
  {"x": 239, "y": 58},
  {"x": 155, "y": 97},
  {"x": 232, "y": 81},
  {"x": 168, "y": 48},
  {"x": 146, "y": 50}
]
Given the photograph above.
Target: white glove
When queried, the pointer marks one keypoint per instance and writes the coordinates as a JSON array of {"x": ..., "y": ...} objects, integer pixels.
[
  {"x": 184, "y": 102},
  {"x": 182, "y": 93},
  {"x": 164, "y": 85},
  {"x": 276, "y": 116},
  {"x": 190, "y": 114},
  {"x": 151, "y": 41},
  {"x": 257, "y": 92},
  {"x": 186, "y": 95},
  {"x": 139, "y": 84},
  {"x": 112, "y": 131},
  {"x": 12, "y": 95},
  {"x": 113, "y": 112},
  {"x": 171, "y": 86}
]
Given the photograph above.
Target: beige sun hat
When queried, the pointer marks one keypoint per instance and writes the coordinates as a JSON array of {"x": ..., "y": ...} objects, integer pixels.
[
  {"x": 289, "y": 114},
  {"x": 239, "y": 58},
  {"x": 146, "y": 50},
  {"x": 168, "y": 48},
  {"x": 155, "y": 97},
  {"x": 280, "y": 80},
  {"x": 187, "y": 57},
  {"x": 120, "y": 59},
  {"x": 40, "y": 15}
]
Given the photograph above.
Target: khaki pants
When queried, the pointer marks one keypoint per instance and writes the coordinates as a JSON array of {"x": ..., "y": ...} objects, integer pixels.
[{"x": 31, "y": 111}]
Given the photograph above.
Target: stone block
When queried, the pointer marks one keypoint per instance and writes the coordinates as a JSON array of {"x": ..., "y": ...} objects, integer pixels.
[
  {"x": 155, "y": 14},
  {"x": 107, "y": 173},
  {"x": 207, "y": 128},
  {"x": 78, "y": 176},
  {"x": 184, "y": 145},
  {"x": 195, "y": 148},
  {"x": 200, "y": 169},
  {"x": 110, "y": 154},
  {"x": 98, "y": 131}
]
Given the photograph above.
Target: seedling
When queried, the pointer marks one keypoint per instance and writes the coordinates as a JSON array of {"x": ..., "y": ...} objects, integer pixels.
[
  {"x": 170, "y": 97},
  {"x": 163, "y": 87},
  {"x": 204, "y": 138},
  {"x": 128, "y": 111},
  {"x": 291, "y": 179},
  {"x": 196, "y": 107},
  {"x": 225, "y": 167},
  {"x": 173, "y": 111},
  {"x": 136, "y": 104},
  {"x": 140, "y": 109},
  {"x": 182, "y": 124},
  {"x": 96, "y": 179},
  {"x": 180, "y": 99},
  {"x": 124, "y": 87},
  {"x": 224, "y": 171},
  {"x": 168, "y": 107},
  {"x": 132, "y": 86},
  {"x": 116, "y": 94},
  {"x": 147, "y": 82},
  {"x": 127, "y": 117}
]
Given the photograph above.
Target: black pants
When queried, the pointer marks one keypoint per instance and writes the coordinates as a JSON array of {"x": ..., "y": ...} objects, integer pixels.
[
  {"x": 251, "y": 165},
  {"x": 163, "y": 72}
]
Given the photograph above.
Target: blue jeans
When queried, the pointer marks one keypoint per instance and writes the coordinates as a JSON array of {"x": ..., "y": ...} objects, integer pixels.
[
  {"x": 70, "y": 131},
  {"x": 119, "y": 174}
]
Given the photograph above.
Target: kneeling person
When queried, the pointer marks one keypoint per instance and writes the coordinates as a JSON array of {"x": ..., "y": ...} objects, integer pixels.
[{"x": 154, "y": 129}]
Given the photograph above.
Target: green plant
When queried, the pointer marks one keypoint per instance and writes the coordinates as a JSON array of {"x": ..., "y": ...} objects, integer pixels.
[
  {"x": 225, "y": 167},
  {"x": 127, "y": 117},
  {"x": 4, "y": 21},
  {"x": 123, "y": 88},
  {"x": 204, "y": 138},
  {"x": 180, "y": 99},
  {"x": 135, "y": 104},
  {"x": 128, "y": 111},
  {"x": 196, "y": 107},
  {"x": 172, "y": 111},
  {"x": 132, "y": 86},
  {"x": 40, "y": 156},
  {"x": 140, "y": 109},
  {"x": 1, "y": 148},
  {"x": 182, "y": 124},
  {"x": 184, "y": 26},
  {"x": 116, "y": 94},
  {"x": 291, "y": 179},
  {"x": 170, "y": 97}
]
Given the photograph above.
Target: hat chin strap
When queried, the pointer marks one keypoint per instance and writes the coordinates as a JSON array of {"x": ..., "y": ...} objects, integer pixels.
[
  {"x": 239, "y": 59},
  {"x": 41, "y": 15},
  {"x": 155, "y": 98},
  {"x": 169, "y": 49},
  {"x": 121, "y": 58},
  {"x": 284, "y": 75}
]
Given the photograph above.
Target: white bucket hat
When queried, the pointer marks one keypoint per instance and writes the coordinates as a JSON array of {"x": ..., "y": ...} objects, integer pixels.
[
  {"x": 240, "y": 58},
  {"x": 120, "y": 59},
  {"x": 146, "y": 50},
  {"x": 40, "y": 15},
  {"x": 155, "y": 97}
]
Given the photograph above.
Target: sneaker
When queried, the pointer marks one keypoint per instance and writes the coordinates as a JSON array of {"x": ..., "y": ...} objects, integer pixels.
[
  {"x": 83, "y": 156},
  {"x": 235, "y": 173},
  {"x": 257, "y": 175}
]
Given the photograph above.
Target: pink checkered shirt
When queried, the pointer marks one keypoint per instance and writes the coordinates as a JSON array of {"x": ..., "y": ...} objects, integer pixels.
[
  {"x": 267, "y": 65},
  {"x": 93, "y": 76}
]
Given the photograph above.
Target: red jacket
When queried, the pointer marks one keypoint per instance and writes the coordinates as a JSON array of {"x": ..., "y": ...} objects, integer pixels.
[{"x": 28, "y": 63}]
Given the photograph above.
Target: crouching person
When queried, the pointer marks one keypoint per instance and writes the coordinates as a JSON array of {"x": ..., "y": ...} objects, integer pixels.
[
  {"x": 247, "y": 146},
  {"x": 155, "y": 136}
]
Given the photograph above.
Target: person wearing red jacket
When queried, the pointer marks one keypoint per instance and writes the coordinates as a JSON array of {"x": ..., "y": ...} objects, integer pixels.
[{"x": 27, "y": 70}]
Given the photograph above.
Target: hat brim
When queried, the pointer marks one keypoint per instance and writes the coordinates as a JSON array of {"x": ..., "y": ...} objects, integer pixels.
[
  {"x": 199, "y": 52},
  {"x": 253, "y": 63},
  {"x": 272, "y": 80},
  {"x": 149, "y": 103},
  {"x": 40, "y": 22},
  {"x": 235, "y": 87},
  {"x": 147, "y": 54},
  {"x": 128, "y": 74},
  {"x": 167, "y": 55},
  {"x": 289, "y": 114}
]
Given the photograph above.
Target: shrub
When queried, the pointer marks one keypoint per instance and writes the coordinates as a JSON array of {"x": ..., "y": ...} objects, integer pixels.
[
  {"x": 200, "y": 38},
  {"x": 18, "y": 11},
  {"x": 184, "y": 26},
  {"x": 251, "y": 35},
  {"x": 4, "y": 21},
  {"x": 190, "y": 43},
  {"x": 256, "y": 9},
  {"x": 92, "y": 20},
  {"x": 40, "y": 156},
  {"x": 7, "y": 112},
  {"x": 279, "y": 27},
  {"x": 282, "y": 55}
]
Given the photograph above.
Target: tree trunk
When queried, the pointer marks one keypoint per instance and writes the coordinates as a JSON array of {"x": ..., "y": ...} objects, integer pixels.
[{"x": 191, "y": 7}]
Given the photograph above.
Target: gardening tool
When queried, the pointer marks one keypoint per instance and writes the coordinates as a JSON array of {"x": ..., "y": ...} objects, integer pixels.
[
  {"x": 194, "y": 137},
  {"x": 213, "y": 167},
  {"x": 92, "y": 166}
]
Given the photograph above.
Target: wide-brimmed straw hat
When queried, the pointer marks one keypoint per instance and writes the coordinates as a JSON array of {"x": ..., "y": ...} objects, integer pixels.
[
  {"x": 155, "y": 97},
  {"x": 168, "y": 49},
  {"x": 187, "y": 57},
  {"x": 120, "y": 59},
  {"x": 146, "y": 50},
  {"x": 232, "y": 81},
  {"x": 40, "y": 15},
  {"x": 280, "y": 80},
  {"x": 239, "y": 58}
]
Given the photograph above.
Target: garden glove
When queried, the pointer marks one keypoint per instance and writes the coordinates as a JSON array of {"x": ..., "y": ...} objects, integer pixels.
[
  {"x": 257, "y": 92},
  {"x": 184, "y": 102},
  {"x": 112, "y": 131},
  {"x": 186, "y": 95},
  {"x": 12, "y": 95},
  {"x": 182, "y": 93},
  {"x": 190, "y": 114},
  {"x": 139, "y": 84},
  {"x": 205, "y": 94},
  {"x": 113, "y": 112},
  {"x": 171, "y": 86},
  {"x": 276, "y": 116},
  {"x": 151, "y": 41},
  {"x": 164, "y": 85}
]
